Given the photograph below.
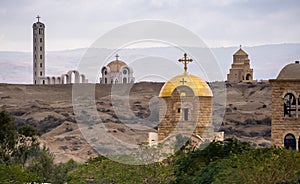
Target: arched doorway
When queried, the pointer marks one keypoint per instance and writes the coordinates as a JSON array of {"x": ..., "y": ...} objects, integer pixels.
[
  {"x": 290, "y": 142},
  {"x": 124, "y": 80},
  {"x": 248, "y": 77}
]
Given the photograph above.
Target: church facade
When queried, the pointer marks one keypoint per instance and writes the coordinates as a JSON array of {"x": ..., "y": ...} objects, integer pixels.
[
  {"x": 116, "y": 72},
  {"x": 286, "y": 107},
  {"x": 240, "y": 70}
]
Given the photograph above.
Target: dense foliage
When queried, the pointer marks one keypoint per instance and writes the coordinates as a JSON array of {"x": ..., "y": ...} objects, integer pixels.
[{"x": 22, "y": 160}]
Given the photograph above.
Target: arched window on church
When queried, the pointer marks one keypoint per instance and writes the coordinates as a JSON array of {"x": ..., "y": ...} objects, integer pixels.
[
  {"x": 290, "y": 142},
  {"x": 289, "y": 105},
  {"x": 248, "y": 77}
]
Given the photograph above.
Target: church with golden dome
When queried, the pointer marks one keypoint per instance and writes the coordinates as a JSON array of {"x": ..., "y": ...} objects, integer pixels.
[
  {"x": 185, "y": 108},
  {"x": 116, "y": 72}
]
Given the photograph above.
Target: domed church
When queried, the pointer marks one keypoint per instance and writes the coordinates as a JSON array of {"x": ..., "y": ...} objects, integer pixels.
[
  {"x": 116, "y": 72},
  {"x": 286, "y": 107},
  {"x": 186, "y": 107}
]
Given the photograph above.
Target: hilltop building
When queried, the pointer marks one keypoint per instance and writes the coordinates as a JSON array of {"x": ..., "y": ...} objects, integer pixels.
[
  {"x": 186, "y": 109},
  {"x": 240, "y": 69},
  {"x": 116, "y": 72},
  {"x": 39, "y": 75},
  {"x": 286, "y": 107}
]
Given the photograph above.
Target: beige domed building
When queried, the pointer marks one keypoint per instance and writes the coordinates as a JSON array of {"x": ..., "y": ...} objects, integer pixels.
[
  {"x": 116, "y": 72},
  {"x": 286, "y": 107},
  {"x": 240, "y": 69}
]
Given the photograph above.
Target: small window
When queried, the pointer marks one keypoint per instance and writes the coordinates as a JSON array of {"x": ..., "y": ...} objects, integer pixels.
[
  {"x": 41, "y": 40},
  {"x": 41, "y": 73},
  {"x": 105, "y": 72},
  {"x": 186, "y": 114},
  {"x": 34, "y": 56},
  {"x": 289, "y": 105},
  {"x": 41, "y": 65},
  {"x": 35, "y": 64},
  {"x": 41, "y": 48},
  {"x": 39, "y": 31},
  {"x": 178, "y": 110},
  {"x": 41, "y": 56},
  {"x": 34, "y": 48}
]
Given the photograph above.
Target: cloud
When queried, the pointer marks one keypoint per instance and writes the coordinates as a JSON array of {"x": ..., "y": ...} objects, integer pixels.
[{"x": 219, "y": 23}]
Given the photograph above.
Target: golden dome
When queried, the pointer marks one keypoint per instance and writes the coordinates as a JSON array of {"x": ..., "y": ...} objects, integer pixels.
[
  {"x": 116, "y": 65},
  {"x": 199, "y": 86}
]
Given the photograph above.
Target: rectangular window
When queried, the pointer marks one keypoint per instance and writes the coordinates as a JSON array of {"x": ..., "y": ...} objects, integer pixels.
[
  {"x": 34, "y": 48},
  {"x": 35, "y": 64},
  {"x": 41, "y": 40},
  {"x": 41, "y": 73},
  {"x": 34, "y": 56},
  {"x": 41, "y": 65},
  {"x": 186, "y": 114},
  {"x": 178, "y": 110},
  {"x": 41, "y": 48},
  {"x": 41, "y": 56},
  {"x": 39, "y": 31}
]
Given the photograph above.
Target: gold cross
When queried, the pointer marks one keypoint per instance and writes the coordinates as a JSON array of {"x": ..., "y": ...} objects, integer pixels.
[
  {"x": 185, "y": 60},
  {"x": 183, "y": 81}
]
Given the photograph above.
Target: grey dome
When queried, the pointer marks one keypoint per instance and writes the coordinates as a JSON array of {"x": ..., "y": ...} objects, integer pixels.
[{"x": 290, "y": 71}]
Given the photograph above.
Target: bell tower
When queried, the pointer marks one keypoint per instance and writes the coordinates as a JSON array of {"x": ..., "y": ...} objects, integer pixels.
[{"x": 38, "y": 52}]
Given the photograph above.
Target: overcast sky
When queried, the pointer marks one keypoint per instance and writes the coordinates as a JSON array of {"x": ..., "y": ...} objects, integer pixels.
[{"x": 220, "y": 23}]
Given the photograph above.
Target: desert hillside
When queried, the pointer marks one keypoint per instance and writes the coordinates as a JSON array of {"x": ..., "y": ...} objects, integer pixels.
[{"x": 50, "y": 109}]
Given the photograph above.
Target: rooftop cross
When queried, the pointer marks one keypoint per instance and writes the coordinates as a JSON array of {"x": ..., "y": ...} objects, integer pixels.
[
  {"x": 38, "y": 17},
  {"x": 185, "y": 60},
  {"x": 183, "y": 81},
  {"x": 117, "y": 57}
]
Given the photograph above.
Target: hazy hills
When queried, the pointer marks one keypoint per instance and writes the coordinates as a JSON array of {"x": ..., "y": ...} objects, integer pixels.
[{"x": 267, "y": 60}]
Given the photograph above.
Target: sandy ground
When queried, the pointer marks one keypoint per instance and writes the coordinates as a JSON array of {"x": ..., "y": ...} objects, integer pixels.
[{"x": 127, "y": 113}]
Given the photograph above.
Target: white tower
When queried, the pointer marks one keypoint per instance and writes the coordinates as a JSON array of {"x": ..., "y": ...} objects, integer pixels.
[{"x": 39, "y": 52}]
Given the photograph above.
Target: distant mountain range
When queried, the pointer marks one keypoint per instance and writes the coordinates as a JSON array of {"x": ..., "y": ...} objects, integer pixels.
[{"x": 266, "y": 60}]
